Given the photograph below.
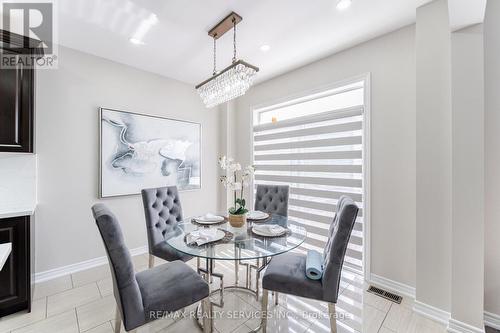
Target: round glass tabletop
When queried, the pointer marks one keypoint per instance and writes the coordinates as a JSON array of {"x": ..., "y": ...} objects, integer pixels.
[{"x": 239, "y": 243}]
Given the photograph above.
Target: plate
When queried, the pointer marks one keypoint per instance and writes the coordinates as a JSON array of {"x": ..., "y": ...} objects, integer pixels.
[
  {"x": 265, "y": 234},
  {"x": 257, "y": 215},
  {"x": 220, "y": 234},
  {"x": 202, "y": 220}
]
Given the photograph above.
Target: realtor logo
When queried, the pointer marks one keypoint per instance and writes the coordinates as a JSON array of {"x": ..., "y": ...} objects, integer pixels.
[{"x": 36, "y": 21}]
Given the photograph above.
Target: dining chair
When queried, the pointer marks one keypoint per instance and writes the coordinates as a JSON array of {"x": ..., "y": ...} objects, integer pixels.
[
  {"x": 272, "y": 199},
  {"x": 143, "y": 297},
  {"x": 163, "y": 211},
  {"x": 286, "y": 273}
]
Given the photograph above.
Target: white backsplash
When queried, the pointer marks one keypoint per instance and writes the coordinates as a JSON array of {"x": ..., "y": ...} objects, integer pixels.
[{"x": 17, "y": 182}]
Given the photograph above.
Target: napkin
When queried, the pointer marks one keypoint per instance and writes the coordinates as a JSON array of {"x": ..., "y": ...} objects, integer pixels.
[
  {"x": 270, "y": 229},
  {"x": 314, "y": 265},
  {"x": 202, "y": 236}
]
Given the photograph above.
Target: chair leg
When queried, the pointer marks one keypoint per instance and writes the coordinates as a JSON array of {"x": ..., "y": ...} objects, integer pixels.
[
  {"x": 236, "y": 271},
  {"x": 151, "y": 261},
  {"x": 276, "y": 295},
  {"x": 333, "y": 317},
  {"x": 263, "y": 313},
  {"x": 118, "y": 321},
  {"x": 206, "y": 308}
]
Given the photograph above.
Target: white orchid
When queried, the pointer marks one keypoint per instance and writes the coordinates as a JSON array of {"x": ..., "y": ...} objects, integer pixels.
[{"x": 232, "y": 183}]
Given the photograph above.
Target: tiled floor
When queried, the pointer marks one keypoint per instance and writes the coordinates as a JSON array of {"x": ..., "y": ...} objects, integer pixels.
[{"x": 83, "y": 302}]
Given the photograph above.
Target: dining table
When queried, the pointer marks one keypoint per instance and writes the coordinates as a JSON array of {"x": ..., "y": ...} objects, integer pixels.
[{"x": 240, "y": 245}]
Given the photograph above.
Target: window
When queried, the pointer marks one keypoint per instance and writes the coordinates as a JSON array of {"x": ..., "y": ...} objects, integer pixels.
[{"x": 315, "y": 145}]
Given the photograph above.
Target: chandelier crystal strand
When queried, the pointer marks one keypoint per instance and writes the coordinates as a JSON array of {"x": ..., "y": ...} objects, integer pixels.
[{"x": 230, "y": 84}]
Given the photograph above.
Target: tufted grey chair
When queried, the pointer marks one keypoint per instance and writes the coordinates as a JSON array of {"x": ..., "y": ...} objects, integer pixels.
[
  {"x": 139, "y": 297},
  {"x": 272, "y": 199},
  {"x": 286, "y": 273},
  {"x": 163, "y": 210}
]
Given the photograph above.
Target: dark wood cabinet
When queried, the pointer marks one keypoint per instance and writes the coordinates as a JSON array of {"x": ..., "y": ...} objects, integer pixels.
[
  {"x": 15, "y": 277},
  {"x": 17, "y": 94}
]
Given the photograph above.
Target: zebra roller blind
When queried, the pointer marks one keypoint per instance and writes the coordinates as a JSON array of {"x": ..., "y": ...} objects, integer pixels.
[{"x": 320, "y": 156}]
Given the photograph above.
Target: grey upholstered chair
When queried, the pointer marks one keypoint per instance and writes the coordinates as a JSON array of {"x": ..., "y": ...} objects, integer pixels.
[
  {"x": 286, "y": 273},
  {"x": 272, "y": 199},
  {"x": 140, "y": 297},
  {"x": 163, "y": 210}
]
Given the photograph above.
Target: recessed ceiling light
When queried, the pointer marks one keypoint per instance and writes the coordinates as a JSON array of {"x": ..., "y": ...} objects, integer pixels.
[
  {"x": 265, "y": 48},
  {"x": 136, "y": 41},
  {"x": 343, "y": 4}
]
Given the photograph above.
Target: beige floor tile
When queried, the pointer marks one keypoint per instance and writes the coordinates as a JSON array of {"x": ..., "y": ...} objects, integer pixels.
[
  {"x": 385, "y": 330},
  {"x": 62, "y": 323},
  {"x": 152, "y": 327},
  {"x": 20, "y": 319},
  {"x": 91, "y": 275},
  {"x": 52, "y": 287},
  {"x": 372, "y": 319},
  {"x": 418, "y": 323},
  {"x": 72, "y": 298},
  {"x": 104, "y": 328},
  {"x": 186, "y": 325},
  {"x": 234, "y": 314},
  {"x": 376, "y": 301},
  {"x": 105, "y": 287},
  {"x": 96, "y": 313},
  {"x": 397, "y": 318},
  {"x": 281, "y": 320},
  {"x": 323, "y": 326}
]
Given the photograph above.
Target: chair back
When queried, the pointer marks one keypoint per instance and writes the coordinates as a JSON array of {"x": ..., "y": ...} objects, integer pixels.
[
  {"x": 125, "y": 287},
  {"x": 272, "y": 199},
  {"x": 334, "y": 253},
  {"x": 163, "y": 211}
]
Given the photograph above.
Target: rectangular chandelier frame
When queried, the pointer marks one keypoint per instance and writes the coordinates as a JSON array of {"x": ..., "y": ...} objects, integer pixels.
[{"x": 234, "y": 64}]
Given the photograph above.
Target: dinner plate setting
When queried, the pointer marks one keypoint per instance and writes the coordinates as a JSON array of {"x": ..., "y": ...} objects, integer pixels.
[
  {"x": 257, "y": 215},
  {"x": 269, "y": 230},
  {"x": 209, "y": 219}
]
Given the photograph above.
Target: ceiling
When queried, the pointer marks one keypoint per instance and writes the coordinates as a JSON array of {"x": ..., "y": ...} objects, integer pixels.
[{"x": 178, "y": 46}]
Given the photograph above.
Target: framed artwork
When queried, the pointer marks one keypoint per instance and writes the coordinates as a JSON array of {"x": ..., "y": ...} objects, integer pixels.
[{"x": 139, "y": 151}]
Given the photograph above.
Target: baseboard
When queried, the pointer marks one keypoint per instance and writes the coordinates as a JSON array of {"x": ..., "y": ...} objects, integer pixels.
[
  {"x": 431, "y": 312},
  {"x": 391, "y": 285},
  {"x": 492, "y": 320},
  {"x": 81, "y": 266},
  {"x": 455, "y": 326}
]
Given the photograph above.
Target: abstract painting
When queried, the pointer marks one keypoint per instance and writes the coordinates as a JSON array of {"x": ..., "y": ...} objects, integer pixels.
[{"x": 140, "y": 151}]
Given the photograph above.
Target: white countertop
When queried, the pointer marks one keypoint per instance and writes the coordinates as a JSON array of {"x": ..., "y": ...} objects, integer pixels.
[
  {"x": 16, "y": 211},
  {"x": 5, "y": 250}
]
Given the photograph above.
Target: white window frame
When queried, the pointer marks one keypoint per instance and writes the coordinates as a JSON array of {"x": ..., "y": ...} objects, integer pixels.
[{"x": 306, "y": 95}]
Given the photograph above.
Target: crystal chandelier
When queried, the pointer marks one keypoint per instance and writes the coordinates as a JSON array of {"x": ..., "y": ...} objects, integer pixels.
[{"x": 234, "y": 80}]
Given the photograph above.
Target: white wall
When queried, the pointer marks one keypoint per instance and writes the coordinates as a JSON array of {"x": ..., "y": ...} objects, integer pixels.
[
  {"x": 67, "y": 146},
  {"x": 492, "y": 162},
  {"x": 433, "y": 67},
  {"x": 390, "y": 60},
  {"x": 467, "y": 252}
]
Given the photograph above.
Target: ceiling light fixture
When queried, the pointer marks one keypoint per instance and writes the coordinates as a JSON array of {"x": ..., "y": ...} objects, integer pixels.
[
  {"x": 234, "y": 80},
  {"x": 265, "y": 48},
  {"x": 344, "y": 4}
]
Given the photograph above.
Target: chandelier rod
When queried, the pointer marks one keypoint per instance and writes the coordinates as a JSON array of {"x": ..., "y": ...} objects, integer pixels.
[
  {"x": 215, "y": 55},
  {"x": 234, "y": 40}
]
